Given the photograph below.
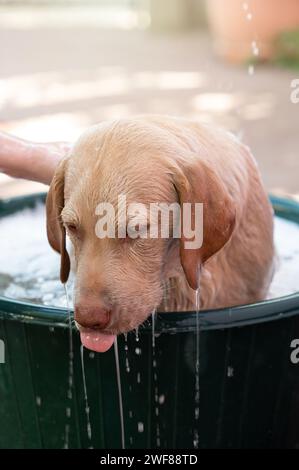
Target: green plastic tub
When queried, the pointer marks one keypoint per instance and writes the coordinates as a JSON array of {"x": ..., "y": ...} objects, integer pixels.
[{"x": 249, "y": 388}]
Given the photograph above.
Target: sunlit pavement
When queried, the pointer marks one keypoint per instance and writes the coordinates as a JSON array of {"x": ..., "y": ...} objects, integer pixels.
[{"x": 59, "y": 75}]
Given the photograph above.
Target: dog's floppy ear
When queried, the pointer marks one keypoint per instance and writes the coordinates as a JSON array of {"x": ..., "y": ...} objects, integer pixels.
[
  {"x": 55, "y": 229},
  {"x": 198, "y": 183}
]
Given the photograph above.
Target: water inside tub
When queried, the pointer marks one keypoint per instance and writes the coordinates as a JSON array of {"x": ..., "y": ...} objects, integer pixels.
[{"x": 29, "y": 268}]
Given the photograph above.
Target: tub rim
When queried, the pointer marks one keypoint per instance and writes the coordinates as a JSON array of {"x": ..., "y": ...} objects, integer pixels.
[{"x": 170, "y": 322}]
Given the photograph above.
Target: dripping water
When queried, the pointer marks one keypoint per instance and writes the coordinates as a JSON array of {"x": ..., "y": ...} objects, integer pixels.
[
  {"x": 137, "y": 333},
  {"x": 128, "y": 369},
  {"x": 87, "y": 409},
  {"x": 140, "y": 427},
  {"x": 255, "y": 49},
  {"x": 71, "y": 370},
  {"x": 153, "y": 328},
  {"x": 155, "y": 376},
  {"x": 197, "y": 364},
  {"x": 251, "y": 69},
  {"x": 66, "y": 436},
  {"x": 120, "y": 400},
  {"x": 127, "y": 353}
]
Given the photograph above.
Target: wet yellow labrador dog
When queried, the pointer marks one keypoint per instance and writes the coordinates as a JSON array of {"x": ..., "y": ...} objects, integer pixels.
[{"x": 149, "y": 160}]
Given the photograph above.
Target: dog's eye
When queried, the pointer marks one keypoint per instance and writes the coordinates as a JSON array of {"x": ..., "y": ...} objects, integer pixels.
[{"x": 71, "y": 228}]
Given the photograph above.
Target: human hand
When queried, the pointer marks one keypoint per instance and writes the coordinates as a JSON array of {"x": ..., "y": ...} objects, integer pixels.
[
  {"x": 45, "y": 158},
  {"x": 33, "y": 161}
]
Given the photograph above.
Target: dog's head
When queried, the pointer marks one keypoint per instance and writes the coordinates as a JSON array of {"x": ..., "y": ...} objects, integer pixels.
[{"x": 106, "y": 196}]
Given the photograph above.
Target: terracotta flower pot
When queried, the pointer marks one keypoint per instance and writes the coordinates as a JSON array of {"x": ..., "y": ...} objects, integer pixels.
[{"x": 244, "y": 29}]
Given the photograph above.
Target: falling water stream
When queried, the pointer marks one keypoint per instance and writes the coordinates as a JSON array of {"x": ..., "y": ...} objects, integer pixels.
[
  {"x": 254, "y": 46},
  {"x": 120, "y": 400},
  {"x": 87, "y": 409},
  {"x": 137, "y": 333},
  {"x": 127, "y": 354},
  {"x": 155, "y": 380},
  {"x": 153, "y": 328},
  {"x": 128, "y": 370},
  {"x": 197, "y": 364},
  {"x": 71, "y": 371}
]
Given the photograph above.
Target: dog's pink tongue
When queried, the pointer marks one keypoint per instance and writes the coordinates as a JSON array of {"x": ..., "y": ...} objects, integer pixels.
[{"x": 97, "y": 341}]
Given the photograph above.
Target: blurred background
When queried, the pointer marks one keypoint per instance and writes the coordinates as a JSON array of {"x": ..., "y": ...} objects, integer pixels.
[{"x": 67, "y": 64}]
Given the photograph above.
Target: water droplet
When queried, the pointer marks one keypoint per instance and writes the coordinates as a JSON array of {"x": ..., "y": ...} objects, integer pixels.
[
  {"x": 161, "y": 399},
  {"x": 255, "y": 49},
  {"x": 138, "y": 378},
  {"x": 140, "y": 427},
  {"x": 138, "y": 351},
  {"x": 68, "y": 412},
  {"x": 66, "y": 436},
  {"x": 38, "y": 401},
  {"x": 89, "y": 431},
  {"x": 196, "y": 440},
  {"x": 230, "y": 371},
  {"x": 251, "y": 70},
  {"x": 130, "y": 414},
  {"x": 51, "y": 329},
  {"x": 91, "y": 355}
]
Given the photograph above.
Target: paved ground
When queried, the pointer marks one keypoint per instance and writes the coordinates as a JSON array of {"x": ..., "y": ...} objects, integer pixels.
[{"x": 55, "y": 81}]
